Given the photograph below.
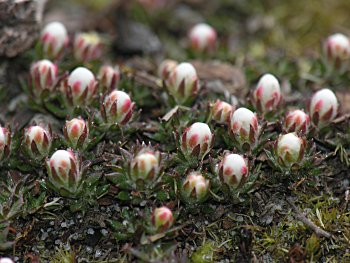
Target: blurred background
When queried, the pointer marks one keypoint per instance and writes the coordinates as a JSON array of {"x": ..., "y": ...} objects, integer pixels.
[{"x": 255, "y": 28}]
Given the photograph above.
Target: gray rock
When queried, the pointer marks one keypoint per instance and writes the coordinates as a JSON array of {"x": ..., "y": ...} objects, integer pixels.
[{"x": 136, "y": 38}]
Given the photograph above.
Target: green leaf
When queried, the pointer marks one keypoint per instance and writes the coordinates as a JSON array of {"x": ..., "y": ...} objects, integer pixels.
[
  {"x": 162, "y": 196},
  {"x": 124, "y": 196}
]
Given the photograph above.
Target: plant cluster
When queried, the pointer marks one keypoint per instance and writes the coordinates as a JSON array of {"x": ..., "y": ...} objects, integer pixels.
[{"x": 203, "y": 150}]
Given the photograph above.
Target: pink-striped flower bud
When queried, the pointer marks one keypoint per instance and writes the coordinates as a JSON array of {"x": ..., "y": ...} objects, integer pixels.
[
  {"x": 165, "y": 68},
  {"x": 109, "y": 77},
  {"x": 80, "y": 87},
  {"x": 117, "y": 108},
  {"x": 76, "y": 133},
  {"x": 289, "y": 149},
  {"x": 195, "y": 188},
  {"x": 54, "y": 39},
  {"x": 183, "y": 83},
  {"x": 197, "y": 140},
  {"x": 37, "y": 142},
  {"x": 43, "y": 74},
  {"x": 203, "y": 38},
  {"x": 267, "y": 95},
  {"x": 87, "y": 47},
  {"x": 323, "y": 107},
  {"x": 145, "y": 166},
  {"x": 162, "y": 219},
  {"x": 65, "y": 173},
  {"x": 244, "y": 127},
  {"x": 221, "y": 111},
  {"x": 233, "y": 170},
  {"x": 5, "y": 143},
  {"x": 297, "y": 121},
  {"x": 337, "y": 48},
  {"x": 6, "y": 260}
]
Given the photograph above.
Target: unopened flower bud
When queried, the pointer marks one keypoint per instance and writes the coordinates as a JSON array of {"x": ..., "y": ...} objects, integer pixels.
[
  {"x": 6, "y": 260},
  {"x": 244, "y": 127},
  {"x": 195, "y": 188},
  {"x": 162, "y": 218},
  {"x": 109, "y": 77},
  {"x": 76, "y": 133},
  {"x": 117, "y": 108},
  {"x": 43, "y": 74},
  {"x": 267, "y": 95},
  {"x": 37, "y": 142},
  {"x": 221, "y": 111},
  {"x": 203, "y": 38},
  {"x": 183, "y": 83},
  {"x": 87, "y": 47},
  {"x": 145, "y": 166},
  {"x": 323, "y": 107},
  {"x": 197, "y": 140},
  {"x": 233, "y": 170},
  {"x": 54, "y": 39},
  {"x": 165, "y": 68},
  {"x": 337, "y": 49},
  {"x": 65, "y": 174},
  {"x": 297, "y": 121},
  {"x": 289, "y": 149},
  {"x": 80, "y": 87},
  {"x": 5, "y": 143}
]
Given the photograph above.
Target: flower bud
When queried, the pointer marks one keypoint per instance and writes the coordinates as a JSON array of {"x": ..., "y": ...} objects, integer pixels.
[
  {"x": 37, "y": 142},
  {"x": 197, "y": 140},
  {"x": 162, "y": 218},
  {"x": 87, "y": 47},
  {"x": 145, "y": 166},
  {"x": 54, "y": 39},
  {"x": 43, "y": 74},
  {"x": 323, "y": 107},
  {"x": 117, "y": 108},
  {"x": 267, "y": 95},
  {"x": 244, "y": 126},
  {"x": 195, "y": 188},
  {"x": 203, "y": 38},
  {"x": 337, "y": 48},
  {"x": 109, "y": 77},
  {"x": 64, "y": 171},
  {"x": 6, "y": 260},
  {"x": 80, "y": 87},
  {"x": 297, "y": 121},
  {"x": 221, "y": 111},
  {"x": 289, "y": 149},
  {"x": 166, "y": 67},
  {"x": 183, "y": 83},
  {"x": 76, "y": 132},
  {"x": 233, "y": 170},
  {"x": 5, "y": 143}
]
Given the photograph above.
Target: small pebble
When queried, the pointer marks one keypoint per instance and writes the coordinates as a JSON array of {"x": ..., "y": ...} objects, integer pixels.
[{"x": 90, "y": 231}]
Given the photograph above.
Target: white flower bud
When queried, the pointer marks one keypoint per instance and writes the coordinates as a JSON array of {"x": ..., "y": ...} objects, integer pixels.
[
  {"x": 267, "y": 95},
  {"x": 54, "y": 39},
  {"x": 197, "y": 140},
  {"x": 203, "y": 38},
  {"x": 323, "y": 107}
]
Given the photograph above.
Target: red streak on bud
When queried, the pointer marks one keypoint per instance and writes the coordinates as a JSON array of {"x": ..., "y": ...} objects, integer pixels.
[
  {"x": 228, "y": 171},
  {"x": 244, "y": 170},
  {"x": 76, "y": 87},
  {"x": 193, "y": 141},
  {"x": 126, "y": 106},
  {"x": 318, "y": 106}
]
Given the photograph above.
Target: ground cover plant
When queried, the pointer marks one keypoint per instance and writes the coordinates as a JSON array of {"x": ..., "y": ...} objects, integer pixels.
[{"x": 177, "y": 131}]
